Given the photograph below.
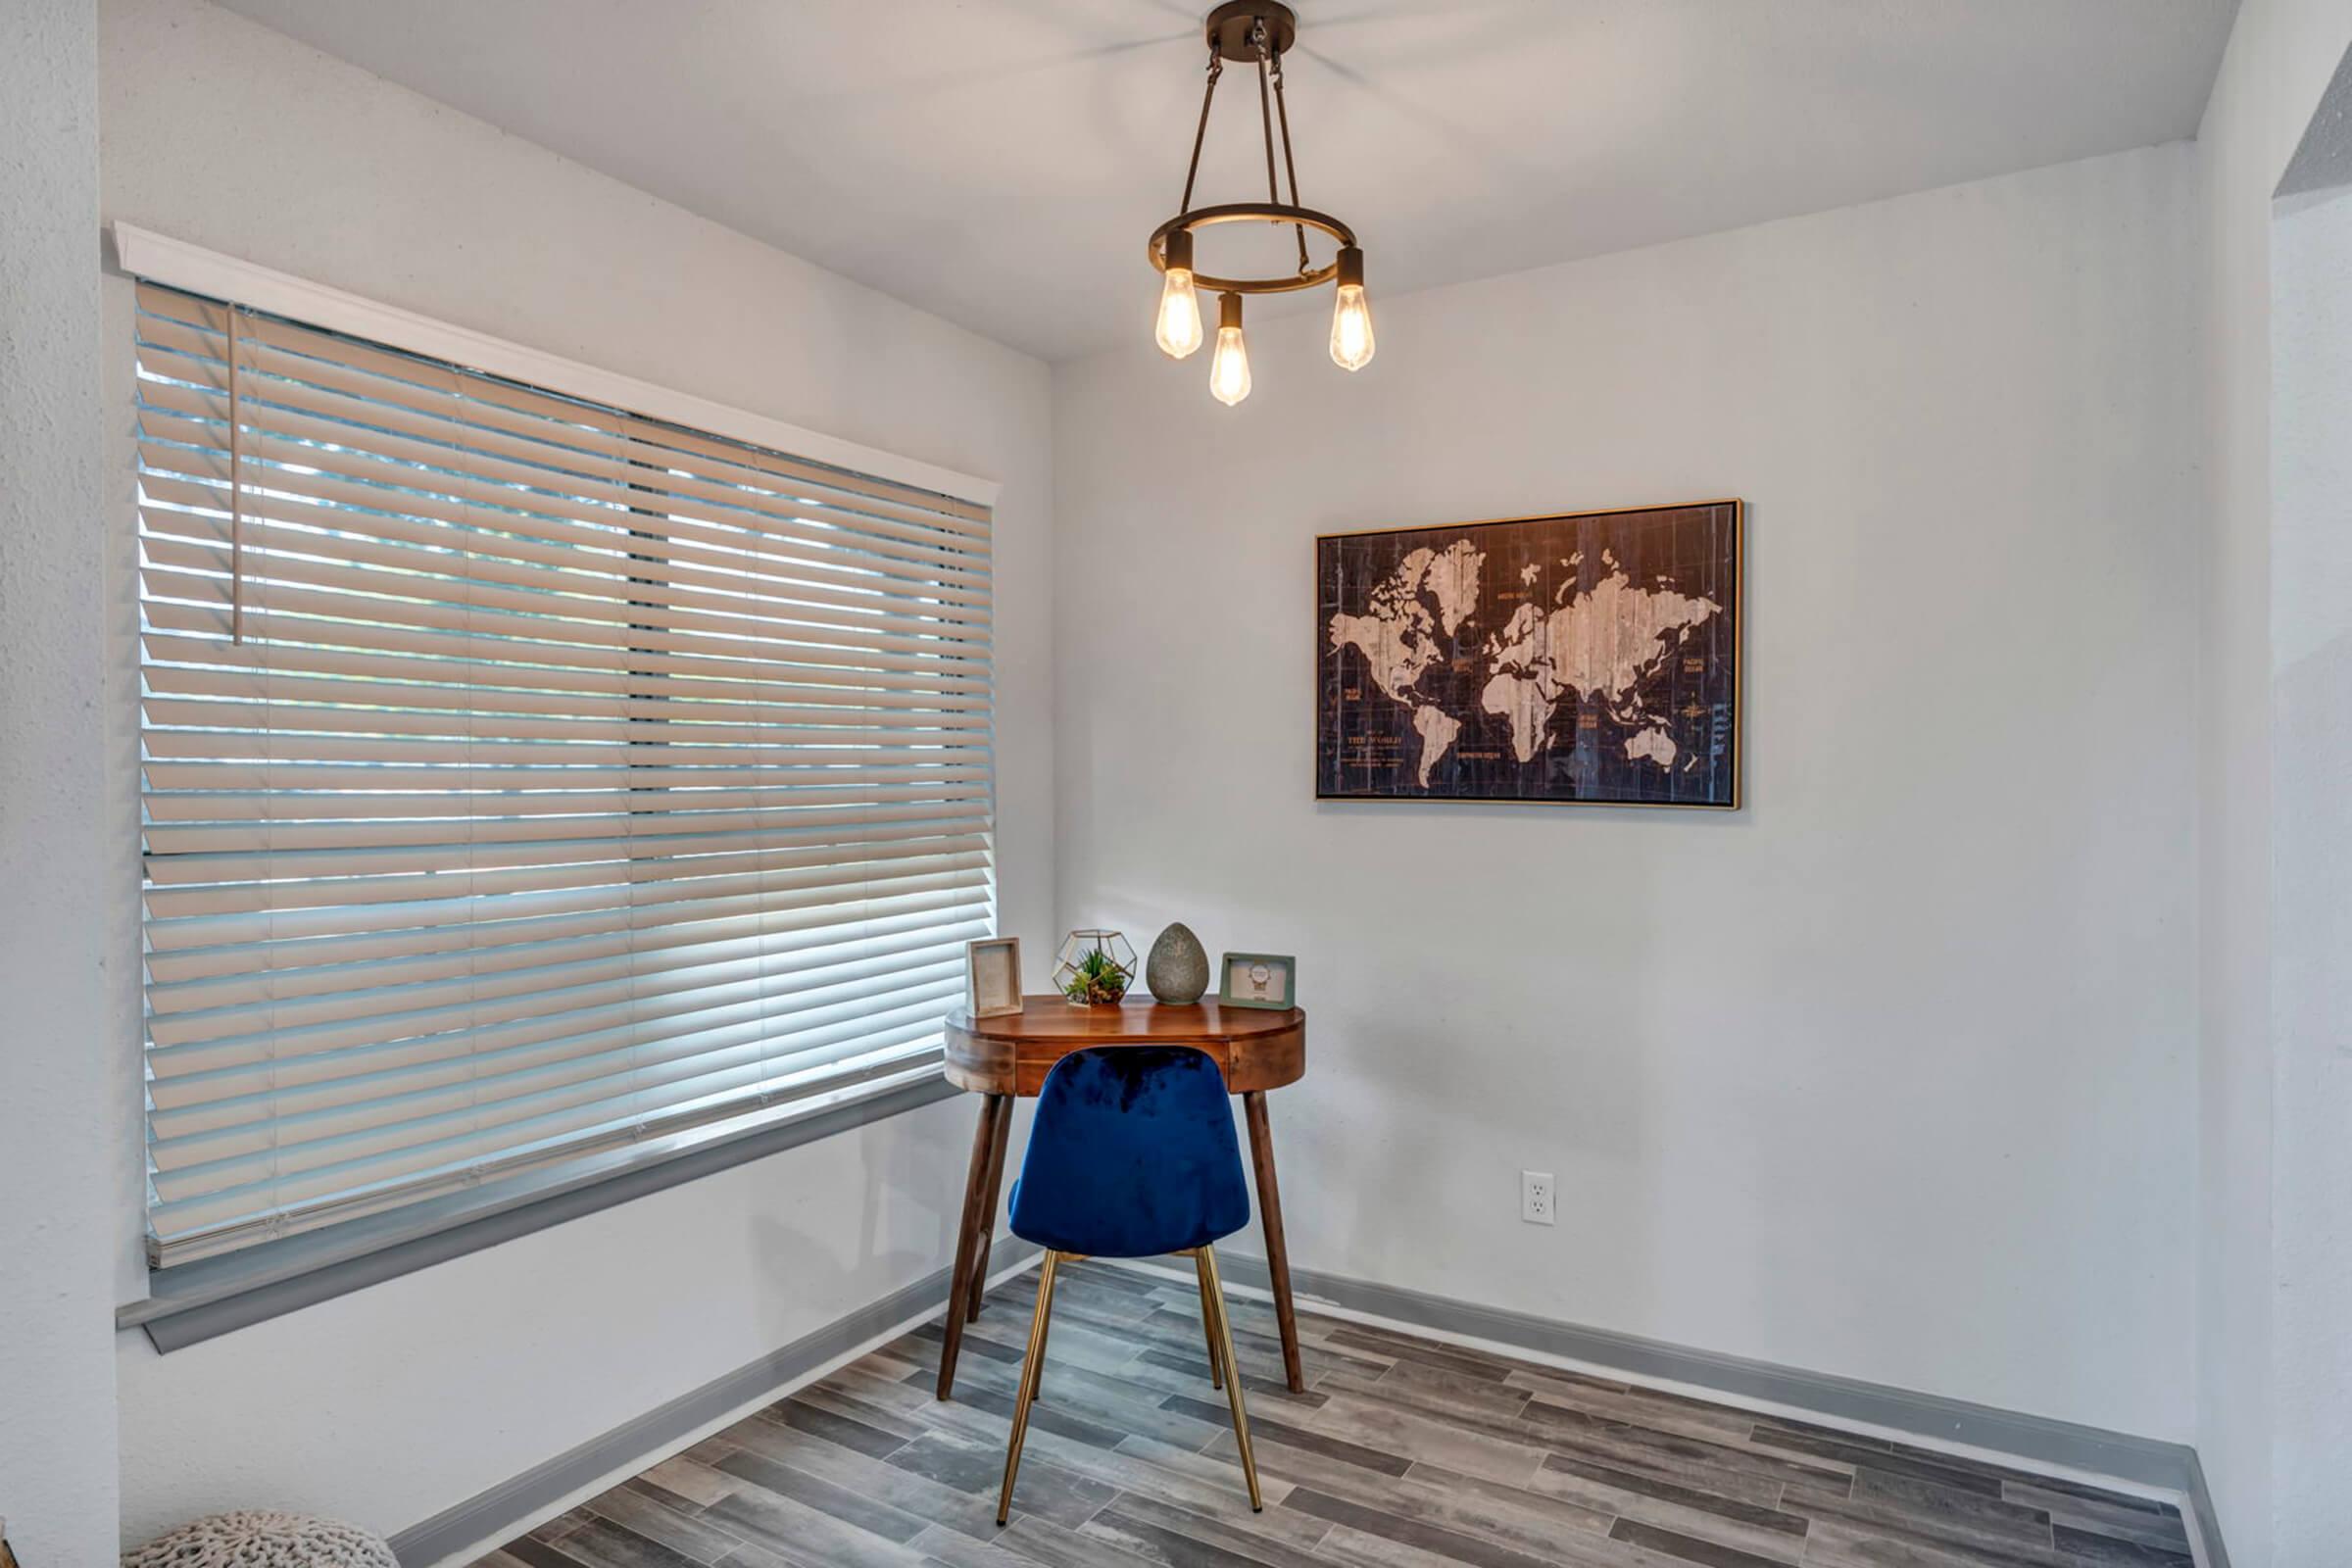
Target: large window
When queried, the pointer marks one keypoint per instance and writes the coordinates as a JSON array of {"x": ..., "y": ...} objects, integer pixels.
[{"x": 522, "y": 777}]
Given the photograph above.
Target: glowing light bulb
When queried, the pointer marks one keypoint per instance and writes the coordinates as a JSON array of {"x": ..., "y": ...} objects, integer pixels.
[
  {"x": 1351, "y": 329},
  {"x": 1351, "y": 314},
  {"x": 1229, "y": 368},
  {"x": 1179, "y": 332}
]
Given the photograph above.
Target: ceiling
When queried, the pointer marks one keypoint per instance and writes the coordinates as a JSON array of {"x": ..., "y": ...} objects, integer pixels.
[{"x": 1000, "y": 162}]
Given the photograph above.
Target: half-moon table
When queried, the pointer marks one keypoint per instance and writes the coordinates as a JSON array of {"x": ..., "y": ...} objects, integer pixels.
[{"x": 999, "y": 1057}]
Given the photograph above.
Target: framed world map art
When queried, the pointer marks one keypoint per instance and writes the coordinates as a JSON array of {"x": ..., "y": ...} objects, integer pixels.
[{"x": 1586, "y": 658}]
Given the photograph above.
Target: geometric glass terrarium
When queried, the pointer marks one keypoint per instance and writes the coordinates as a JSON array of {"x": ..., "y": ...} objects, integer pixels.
[{"x": 1095, "y": 967}]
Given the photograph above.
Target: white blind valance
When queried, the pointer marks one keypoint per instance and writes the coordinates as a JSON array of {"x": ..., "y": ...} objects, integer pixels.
[{"x": 521, "y": 775}]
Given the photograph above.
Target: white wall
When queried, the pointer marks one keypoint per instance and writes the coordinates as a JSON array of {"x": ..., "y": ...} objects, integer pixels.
[
  {"x": 1890, "y": 1073},
  {"x": 2280, "y": 55},
  {"x": 2311, "y": 815},
  {"x": 391, "y": 1404},
  {"x": 57, "y": 1435}
]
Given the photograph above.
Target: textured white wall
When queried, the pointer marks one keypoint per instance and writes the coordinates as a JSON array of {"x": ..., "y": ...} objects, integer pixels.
[
  {"x": 2311, "y": 643},
  {"x": 57, "y": 1437},
  {"x": 2280, "y": 56},
  {"x": 1889, "y": 1074},
  {"x": 392, "y": 1405}
]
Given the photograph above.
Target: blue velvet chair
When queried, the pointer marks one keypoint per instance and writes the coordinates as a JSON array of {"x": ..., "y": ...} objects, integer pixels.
[{"x": 1131, "y": 1154}]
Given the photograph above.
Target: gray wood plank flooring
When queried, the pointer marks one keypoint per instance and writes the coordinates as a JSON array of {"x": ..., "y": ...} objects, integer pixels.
[{"x": 1402, "y": 1453}]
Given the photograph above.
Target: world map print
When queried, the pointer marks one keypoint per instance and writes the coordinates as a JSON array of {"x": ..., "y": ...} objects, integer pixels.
[{"x": 1588, "y": 657}]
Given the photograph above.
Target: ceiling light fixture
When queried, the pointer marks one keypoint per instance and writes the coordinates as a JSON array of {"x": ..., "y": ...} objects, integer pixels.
[{"x": 1253, "y": 32}]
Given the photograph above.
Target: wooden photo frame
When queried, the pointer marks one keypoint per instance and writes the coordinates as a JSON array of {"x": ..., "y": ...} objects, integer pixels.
[
  {"x": 992, "y": 976},
  {"x": 1258, "y": 980}
]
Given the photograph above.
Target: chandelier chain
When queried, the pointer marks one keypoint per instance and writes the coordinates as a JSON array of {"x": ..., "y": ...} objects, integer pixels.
[
  {"x": 1265, "y": 111},
  {"x": 1192, "y": 173},
  {"x": 1290, "y": 164}
]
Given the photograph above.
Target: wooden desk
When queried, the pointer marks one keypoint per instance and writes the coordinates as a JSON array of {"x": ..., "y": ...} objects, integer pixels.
[{"x": 999, "y": 1058}]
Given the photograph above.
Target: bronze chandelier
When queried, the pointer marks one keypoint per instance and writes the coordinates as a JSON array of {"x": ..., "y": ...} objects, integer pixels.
[{"x": 1253, "y": 32}]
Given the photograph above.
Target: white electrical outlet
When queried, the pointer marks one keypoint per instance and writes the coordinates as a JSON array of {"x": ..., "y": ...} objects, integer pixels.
[{"x": 1536, "y": 1205}]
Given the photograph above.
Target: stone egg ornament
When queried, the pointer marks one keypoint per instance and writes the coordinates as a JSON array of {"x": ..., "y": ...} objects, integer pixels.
[{"x": 1177, "y": 970}]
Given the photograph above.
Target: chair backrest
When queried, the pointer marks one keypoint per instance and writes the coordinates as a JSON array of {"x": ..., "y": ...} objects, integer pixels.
[{"x": 1132, "y": 1155}]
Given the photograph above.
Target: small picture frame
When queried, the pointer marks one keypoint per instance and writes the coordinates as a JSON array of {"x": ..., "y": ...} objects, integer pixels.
[
  {"x": 1258, "y": 980},
  {"x": 992, "y": 976}
]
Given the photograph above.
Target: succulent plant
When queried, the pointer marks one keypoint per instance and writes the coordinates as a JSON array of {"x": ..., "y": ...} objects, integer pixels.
[
  {"x": 1096, "y": 978},
  {"x": 1095, "y": 968}
]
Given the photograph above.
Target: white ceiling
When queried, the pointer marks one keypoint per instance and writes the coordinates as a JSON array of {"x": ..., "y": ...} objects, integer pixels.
[{"x": 1000, "y": 162}]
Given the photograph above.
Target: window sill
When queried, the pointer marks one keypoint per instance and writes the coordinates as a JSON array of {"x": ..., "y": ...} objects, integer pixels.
[{"x": 192, "y": 1303}]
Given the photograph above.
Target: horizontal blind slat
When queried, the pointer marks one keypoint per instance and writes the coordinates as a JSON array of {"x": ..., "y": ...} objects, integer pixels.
[
  {"x": 238, "y": 670},
  {"x": 195, "y": 1163},
  {"x": 308, "y": 1173},
  {"x": 362, "y": 593},
  {"x": 286, "y": 977},
  {"x": 358, "y": 1047},
  {"x": 676, "y": 729},
  {"x": 446, "y": 834},
  {"x": 452, "y": 1158},
  {"x": 268, "y": 627},
  {"x": 211, "y": 1226},
  {"x": 184, "y": 323},
  {"x": 652, "y": 838},
  {"x": 787, "y": 1019},
  {"x": 193, "y": 445},
  {"x": 317, "y": 346},
  {"x": 465, "y": 881},
  {"x": 219, "y": 809},
  {"x": 484, "y": 776},
  {"x": 197, "y": 509},
  {"x": 236, "y": 945},
  {"x": 346, "y": 693},
  {"x": 197, "y": 541},
  {"x": 343, "y": 620},
  {"x": 197, "y": 480}
]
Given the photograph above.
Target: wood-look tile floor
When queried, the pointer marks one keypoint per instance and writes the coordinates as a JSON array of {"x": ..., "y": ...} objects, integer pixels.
[{"x": 1402, "y": 1453}]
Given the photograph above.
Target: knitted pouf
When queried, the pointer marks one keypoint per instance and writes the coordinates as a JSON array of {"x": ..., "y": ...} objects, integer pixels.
[{"x": 261, "y": 1538}]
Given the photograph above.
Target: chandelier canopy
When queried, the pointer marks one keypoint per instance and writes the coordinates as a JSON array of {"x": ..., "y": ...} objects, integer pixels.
[{"x": 1253, "y": 32}]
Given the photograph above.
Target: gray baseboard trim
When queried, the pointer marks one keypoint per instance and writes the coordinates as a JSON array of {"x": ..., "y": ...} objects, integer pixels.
[
  {"x": 499, "y": 1513},
  {"x": 2036, "y": 1440}
]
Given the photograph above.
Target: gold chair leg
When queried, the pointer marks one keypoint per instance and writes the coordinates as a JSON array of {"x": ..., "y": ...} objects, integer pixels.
[
  {"x": 1032, "y": 1369},
  {"x": 1232, "y": 1380},
  {"x": 1209, "y": 1321},
  {"x": 1037, "y": 1384}
]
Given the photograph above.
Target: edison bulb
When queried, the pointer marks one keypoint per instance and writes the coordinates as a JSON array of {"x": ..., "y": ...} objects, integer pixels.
[
  {"x": 1179, "y": 332},
  {"x": 1351, "y": 329},
  {"x": 1351, "y": 314},
  {"x": 1229, "y": 372},
  {"x": 1229, "y": 368}
]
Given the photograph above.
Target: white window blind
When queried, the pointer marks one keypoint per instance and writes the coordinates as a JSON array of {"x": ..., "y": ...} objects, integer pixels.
[{"x": 522, "y": 776}]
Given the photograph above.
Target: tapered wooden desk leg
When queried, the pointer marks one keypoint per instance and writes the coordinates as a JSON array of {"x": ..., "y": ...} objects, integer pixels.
[
  {"x": 967, "y": 1239},
  {"x": 1278, "y": 1252},
  {"x": 988, "y": 1211}
]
